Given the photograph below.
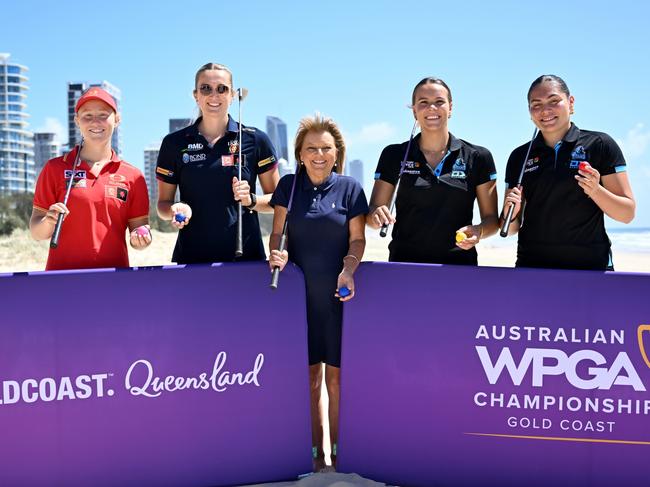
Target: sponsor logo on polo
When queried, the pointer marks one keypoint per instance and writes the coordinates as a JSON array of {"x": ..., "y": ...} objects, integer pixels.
[
  {"x": 194, "y": 147},
  {"x": 116, "y": 178},
  {"x": 228, "y": 160},
  {"x": 411, "y": 167},
  {"x": 117, "y": 193},
  {"x": 458, "y": 169},
  {"x": 193, "y": 157},
  {"x": 79, "y": 174},
  {"x": 532, "y": 164},
  {"x": 233, "y": 146}
]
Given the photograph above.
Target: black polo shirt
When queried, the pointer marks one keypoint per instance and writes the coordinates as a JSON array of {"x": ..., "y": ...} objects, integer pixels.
[
  {"x": 433, "y": 202},
  {"x": 562, "y": 227},
  {"x": 204, "y": 177}
]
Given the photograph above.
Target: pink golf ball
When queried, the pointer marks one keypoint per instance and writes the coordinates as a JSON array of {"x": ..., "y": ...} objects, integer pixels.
[{"x": 142, "y": 231}]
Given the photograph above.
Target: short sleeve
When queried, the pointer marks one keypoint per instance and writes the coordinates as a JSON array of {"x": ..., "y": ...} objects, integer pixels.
[
  {"x": 485, "y": 169},
  {"x": 513, "y": 168},
  {"x": 139, "y": 201},
  {"x": 45, "y": 191},
  {"x": 358, "y": 204},
  {"x": 166, "y": 167},
  {"x": 611, "y": 157},
  {"x": 282, "y": 191},
  {"x": 389, "y": 164},
  {"x": 267, "y": 157}
]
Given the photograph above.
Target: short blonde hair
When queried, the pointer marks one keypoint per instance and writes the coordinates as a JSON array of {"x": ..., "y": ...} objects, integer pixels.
[{"x": 319, "y": 123}]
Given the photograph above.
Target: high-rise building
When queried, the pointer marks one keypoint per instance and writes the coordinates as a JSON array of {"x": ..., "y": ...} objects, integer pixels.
[
  {"x": 16, "y": 142},
  {"x": 175, "y": 124},
  {"x": 75, "y": 90},
  {"x": 276, "y": 129},
  {"x": 354, "y": 169},
  {"x": 150, "y": 159},
  {"x": 46, "y": 147}
]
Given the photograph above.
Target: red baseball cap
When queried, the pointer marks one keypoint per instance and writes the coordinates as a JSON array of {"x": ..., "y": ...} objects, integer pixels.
[{"x": 96, "y": 93}]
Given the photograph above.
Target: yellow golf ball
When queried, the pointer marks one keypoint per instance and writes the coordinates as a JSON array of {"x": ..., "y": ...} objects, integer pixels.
[{"x": 460, "y": 236}]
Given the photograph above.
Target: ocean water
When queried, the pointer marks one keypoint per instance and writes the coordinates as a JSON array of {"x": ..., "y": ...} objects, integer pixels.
[{"x": 630, "y": 239}]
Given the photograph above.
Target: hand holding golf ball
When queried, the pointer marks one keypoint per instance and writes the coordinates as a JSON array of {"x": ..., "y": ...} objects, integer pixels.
[
  {"x": 141, "y": 237},
  {"x": 468, "y": 236},
  {"x": 345, "y": 286},
  {"x": 181, "y": 214},
  {"x": 588, "y": 178}
]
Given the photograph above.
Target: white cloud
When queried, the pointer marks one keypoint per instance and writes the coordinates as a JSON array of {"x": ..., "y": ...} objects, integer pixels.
[
  {"x": 53, "y": 125},
  {"x": 380, "y": 132},
  {"x": 636, "y": 142}
]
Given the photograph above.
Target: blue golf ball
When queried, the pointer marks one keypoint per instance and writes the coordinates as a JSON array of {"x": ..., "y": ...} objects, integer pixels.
[
  {"x": 180, "y": 218},
  {"x": 344, "y": 291}
]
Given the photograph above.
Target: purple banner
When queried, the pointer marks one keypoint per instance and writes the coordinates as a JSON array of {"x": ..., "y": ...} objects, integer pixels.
[
  {"x": 165, "y": 377},
  {"x": 455, "y": 376}
]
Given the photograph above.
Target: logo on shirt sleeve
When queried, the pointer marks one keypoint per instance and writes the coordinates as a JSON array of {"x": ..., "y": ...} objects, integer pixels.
[
  {"x": 164, "y": 172},
  {"x": 266, "y": 161}
]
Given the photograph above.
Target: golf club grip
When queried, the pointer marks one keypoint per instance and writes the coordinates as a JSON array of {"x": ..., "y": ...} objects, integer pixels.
[
  {"x": 506, "y": 223},
  {"x": 384, "y": 230},
  {"x": 54, "y": 242},
  {"x": 276, "y": 270},
  {"x": 239, "y": 249}
]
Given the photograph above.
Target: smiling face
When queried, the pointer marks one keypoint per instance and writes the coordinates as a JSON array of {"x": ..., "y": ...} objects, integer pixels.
[
  {"x": 431, "y": 107},
  {"x": 96, "y": 121},
  {"x": 213, "y": 93},
  {"x": 318, "y": 153},
  {"x": 550, "y": 108}
]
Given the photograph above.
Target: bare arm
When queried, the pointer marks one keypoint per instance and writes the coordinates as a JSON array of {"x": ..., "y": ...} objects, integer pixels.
[
  {"x": 42, "y": 223},
  {"x": 382, "y": 193},
  {"x": 486, "y": 196},
  {"x": 351, "y": 261},
  {"x": 612, "y": 193},
  {"x": 168, "y": 209}
]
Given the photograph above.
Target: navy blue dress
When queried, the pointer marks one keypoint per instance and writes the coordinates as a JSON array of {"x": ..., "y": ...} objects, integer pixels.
[{"x": 317, "y": 240}]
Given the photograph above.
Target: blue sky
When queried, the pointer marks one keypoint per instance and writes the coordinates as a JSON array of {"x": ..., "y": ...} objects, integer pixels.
[{"x": 354, "y": 61}]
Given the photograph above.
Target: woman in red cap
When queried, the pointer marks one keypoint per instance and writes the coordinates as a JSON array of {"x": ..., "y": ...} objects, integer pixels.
[{"x": 108, "y": 195}]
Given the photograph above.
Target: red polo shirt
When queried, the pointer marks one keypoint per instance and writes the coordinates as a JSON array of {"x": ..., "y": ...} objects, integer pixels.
[{"x": 93, "y": 234}]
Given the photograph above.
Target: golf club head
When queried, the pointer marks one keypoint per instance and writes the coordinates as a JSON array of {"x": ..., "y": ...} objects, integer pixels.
[{"x": 242, "y": 93}]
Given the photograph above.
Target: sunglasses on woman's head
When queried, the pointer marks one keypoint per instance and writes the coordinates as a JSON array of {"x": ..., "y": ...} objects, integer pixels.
[{"x": 207, "y": 90}]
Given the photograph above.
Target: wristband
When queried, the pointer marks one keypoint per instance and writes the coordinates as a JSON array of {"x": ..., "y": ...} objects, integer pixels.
[{"x": 253, "y": 202}]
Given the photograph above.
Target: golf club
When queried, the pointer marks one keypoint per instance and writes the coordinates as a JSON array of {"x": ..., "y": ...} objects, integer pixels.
[
  {"x": 283, "y": 238},
  {"x": 384, "y": 228},
  {"x": 239, "y": 247},
  {"x": 54, "y": 242},
  {"x": 506, "y": 223}
]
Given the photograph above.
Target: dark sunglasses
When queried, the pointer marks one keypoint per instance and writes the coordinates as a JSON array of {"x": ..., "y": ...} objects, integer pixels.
[{"x": 206, "y": 90}]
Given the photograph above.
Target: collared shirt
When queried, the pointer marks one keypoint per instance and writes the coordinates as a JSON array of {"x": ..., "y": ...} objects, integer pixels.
[
  {"x": 204, "y": 177},
  {"x": 562, "y": 227},
  {"x": 433, "y": 202},
  {"x": 93, "y": 234},
  {"x": 318, "y": 231}
]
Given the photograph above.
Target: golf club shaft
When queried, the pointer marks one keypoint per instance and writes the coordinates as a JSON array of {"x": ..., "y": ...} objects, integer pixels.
[
  {"x": 283, "y": 239},
  {"x": 506, "y": 223},
  {"x": 276, "y": 270},
  {"x": 384, "y": 228},
  {"x": 239, "y": 247},
  {"x": 54, "y": 242}
]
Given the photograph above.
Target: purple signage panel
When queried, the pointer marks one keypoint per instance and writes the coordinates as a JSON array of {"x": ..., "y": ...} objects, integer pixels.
[
  {"x": 455, "y": 376},
  {"x": 161, "y": 377}
]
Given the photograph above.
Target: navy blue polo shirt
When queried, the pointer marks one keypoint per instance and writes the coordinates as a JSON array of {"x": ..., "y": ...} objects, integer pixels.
[
  {"x": 204, "y": 177},
  {"x": 318, "y": 234},
  {"x": 434, "y": 202},
  {"x": 562, "y": 227}
]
